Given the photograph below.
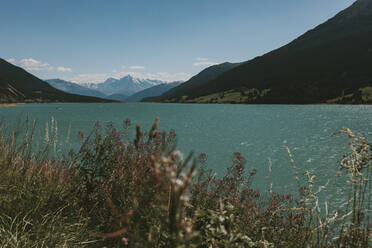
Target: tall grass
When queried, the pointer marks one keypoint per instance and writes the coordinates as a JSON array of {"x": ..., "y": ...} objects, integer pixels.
[{"x": 118, "y": 192}]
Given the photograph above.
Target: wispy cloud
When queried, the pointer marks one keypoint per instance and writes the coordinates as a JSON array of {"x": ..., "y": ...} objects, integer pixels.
[
  {"x": 64, "y": 69},
  {"x": 168, "y": 77},
  {"x": 201, "y": 59},
  {"x": 88, "y": 78},
  {"x": 12, "y": 60},
  {"x": 203, "y": 62},
  {"x": 136, "y": 67},
  {"x": 31, "y": 64}
]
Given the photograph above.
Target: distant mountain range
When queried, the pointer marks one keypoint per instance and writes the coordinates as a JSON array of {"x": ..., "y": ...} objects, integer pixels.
[
  {"x": 19, "y": 86},
  {"x": 116, "y": 89},
  {"x": 74, "y": 88},
  {"x": 127, "y": 85},
  {"x": 328, "y": 64}
]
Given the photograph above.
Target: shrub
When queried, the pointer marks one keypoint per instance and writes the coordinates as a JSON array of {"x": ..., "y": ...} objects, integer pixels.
[{"x": 117, "y": 192}]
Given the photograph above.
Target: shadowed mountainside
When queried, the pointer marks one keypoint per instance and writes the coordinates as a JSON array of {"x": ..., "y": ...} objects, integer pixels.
[
  {"x": 330, "y": 63},
  {"x": 117, "y": 97},
  {"x": 156, "y": 90},
  {"x": 17, "y": 85},
  {"x": 188, "y": 87}
]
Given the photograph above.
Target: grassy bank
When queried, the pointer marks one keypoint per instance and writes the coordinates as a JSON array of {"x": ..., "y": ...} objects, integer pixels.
[
  {"x": 257, "y": 96},
  {"x": 118, "y": 192}
]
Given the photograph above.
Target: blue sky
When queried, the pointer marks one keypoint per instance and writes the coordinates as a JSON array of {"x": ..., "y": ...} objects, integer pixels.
[{"x": 91, "y": 40}]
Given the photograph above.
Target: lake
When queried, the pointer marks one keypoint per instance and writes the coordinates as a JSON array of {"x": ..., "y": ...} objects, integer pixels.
[{"x": 259, "y": 132}]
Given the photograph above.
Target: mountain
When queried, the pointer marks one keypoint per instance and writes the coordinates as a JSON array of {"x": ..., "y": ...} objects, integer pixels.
[
  {"x": 156, "y": 90},
  {"x": 74, "y": 88},
  {"x": 127, "y": 85},
  {"x": 17, "y": 85},
  {"x": 188, "y": 87},
  {"x": 120, "y": 89},
  {"x": 117, "y": 97},
  {"x": 328, "y": 64}
]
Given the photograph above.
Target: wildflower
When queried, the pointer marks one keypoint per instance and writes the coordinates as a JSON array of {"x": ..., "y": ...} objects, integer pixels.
[
  {"x": 239, "y": 167},
  {"x": 287, "y": 196},
  {"x": 71, "y": 153},
  {"x": 124, "y": 241},
  {"x": 46, "y": 133},
  {"x": 256, "y": 194},
  {"x": 203, "y": 156},
  {"x": 219, "y": 182},
  {"x": 179, "y": 182},
  {"x": 253, "y": 172},
  {"x": 172, "y": 133},
  {"x": 303, "y": 190},
  {"x": 81, "y": 134},
  {"x": 185, "y": 198},
  {"x": 177, "y": 155},
  {"x": 127, "y": 122}
]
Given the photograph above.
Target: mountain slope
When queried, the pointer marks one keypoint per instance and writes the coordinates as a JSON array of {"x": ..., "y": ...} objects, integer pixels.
[
  {"x": 153, "y": 91},
  {"x": 74, "y": 88},
  {"x": 117, "y": 97},
  {"x": 332, "y": 61},
  {"x": 17, "y": 85},
  {"x": 202, "y": 78}
]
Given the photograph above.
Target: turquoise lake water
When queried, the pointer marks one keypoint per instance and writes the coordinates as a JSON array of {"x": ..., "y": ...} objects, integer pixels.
[{"x": 259, "y": 132}]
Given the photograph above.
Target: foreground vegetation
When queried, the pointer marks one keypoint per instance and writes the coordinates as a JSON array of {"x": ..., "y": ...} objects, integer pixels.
[{"x": 115, "y": 192}]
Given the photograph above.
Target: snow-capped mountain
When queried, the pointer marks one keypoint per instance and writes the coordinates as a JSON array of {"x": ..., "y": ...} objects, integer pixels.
[
  {"x": 127, "y": 85},
  {"x": 115, "y": 89}
]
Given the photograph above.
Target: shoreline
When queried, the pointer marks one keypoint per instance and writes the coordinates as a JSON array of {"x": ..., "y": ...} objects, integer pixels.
[
  {"x": 8, "y": 104},
  {"x": 324, "y": 104}
]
